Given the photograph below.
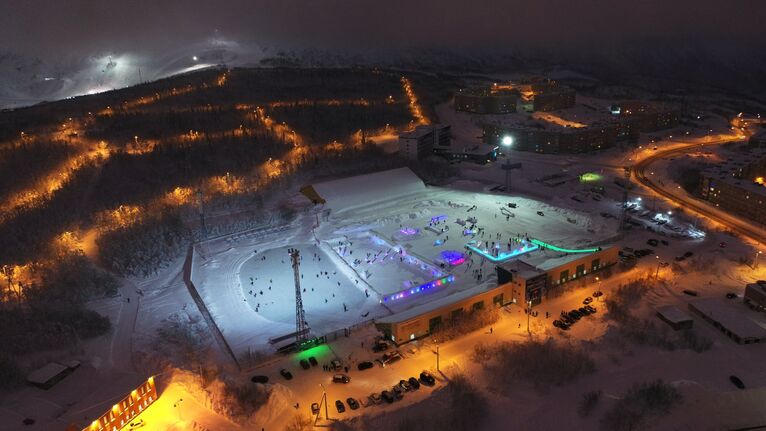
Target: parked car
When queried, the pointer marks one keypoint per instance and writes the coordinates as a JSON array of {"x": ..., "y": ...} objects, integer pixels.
[
  {"x": 305, "y": 364},
  {"x": 561, "y": 325},
  {"x": 731, "y": 295},
  {"x": 313, "y": 361},
  {"x": 427, "y": 379},
  {"x": 375, "y": 398},
  {"x": 414, "y": 383},
  {"x": 286, "y": 374},
  {"x": 341, "y": 378},
  {"x": 366, "y": 365},
  {"x": 398, "y": 392},
  {"x": 690, "y": 292},
  {"x": 133, "y": 425},
  {"x": 653, "y": 242},
  {"x": 583, "y": 311},
  {"x": 339, "y": 406},
  {"x": 688, "y": 254},
  {"x": 511, "y": 205},
  {"x": 591, "y": 308},
  {"x": 352, "y": 403},
  {"x": 390, "y": 358},
  {"x": 314, "y": 408},
  {"x": 336, "y": 365},
  {"x": 387, "y": 396},
  {"x": 380, "y": 346},
  {"x": 587, "y": 300},
  {"x": 737, "y": 382},
  {"x": 598, "y": 293},
  {"x": 259, "y": 379},
  {"x": 404, "y": 385},
  {"x": 540, "y": 213}
]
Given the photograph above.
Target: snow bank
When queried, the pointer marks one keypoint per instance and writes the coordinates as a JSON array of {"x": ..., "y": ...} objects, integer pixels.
[{"x": 368, "y": 189}]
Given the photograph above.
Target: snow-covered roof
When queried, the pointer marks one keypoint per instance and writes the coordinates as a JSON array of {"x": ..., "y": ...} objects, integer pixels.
[
  {"x": 735, "y": 318},
  {"x": 671, "y": 313},
  {"x": 435, "y": 304},
  {"x": 369, "y": 189},
  {"x": 45, "y": 374}
]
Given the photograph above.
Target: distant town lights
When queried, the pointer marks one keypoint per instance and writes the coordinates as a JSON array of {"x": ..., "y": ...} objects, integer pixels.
[{"x": 507, "y": 140}]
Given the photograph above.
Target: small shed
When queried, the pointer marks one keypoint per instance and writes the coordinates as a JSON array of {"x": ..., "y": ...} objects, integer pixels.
[
  {"x": 674, "y": 317},
  {"x": 48, "y": 375}
]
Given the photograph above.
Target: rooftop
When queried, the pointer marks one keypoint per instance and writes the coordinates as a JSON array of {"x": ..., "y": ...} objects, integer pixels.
[
  {"x": 731, "y": 169},
  {"x": 735, "y": 317},
  {"x": 671, "y": 313}
]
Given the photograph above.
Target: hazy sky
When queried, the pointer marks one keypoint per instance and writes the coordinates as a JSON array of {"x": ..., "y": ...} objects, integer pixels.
[{"x": 61, "y": 27}]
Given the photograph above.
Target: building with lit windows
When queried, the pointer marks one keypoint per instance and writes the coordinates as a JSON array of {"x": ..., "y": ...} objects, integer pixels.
[
  {"x": 530, "y": 94},
  {"x": 127, "y": 409},
  {"x": 532, "y": 277},
  {"x": 738, "y": 185},
  {"x": 486, "y": 100},
  {"x": 424, "y": 141}
]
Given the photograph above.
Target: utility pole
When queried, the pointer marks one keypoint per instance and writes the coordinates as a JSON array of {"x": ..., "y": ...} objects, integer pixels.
[
  {"x": 200, "y": 199},
  {"x": 437, "y": 358},
  {"x": 301, "y": 328},
  {"x": 621, "y": 225}
]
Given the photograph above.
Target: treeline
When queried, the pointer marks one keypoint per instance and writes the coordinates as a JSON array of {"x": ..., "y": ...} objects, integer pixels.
[
  {"x": 325, "y": 123},
  {"x": 25, "y": 161},
  {"x": 49, "y": 313}
]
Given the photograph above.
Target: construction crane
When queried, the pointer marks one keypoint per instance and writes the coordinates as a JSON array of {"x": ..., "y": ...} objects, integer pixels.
[{"x": 301, "y": 327}]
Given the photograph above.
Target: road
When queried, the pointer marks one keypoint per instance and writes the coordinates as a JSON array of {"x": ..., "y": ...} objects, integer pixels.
[{"x": 742, "y": 227}]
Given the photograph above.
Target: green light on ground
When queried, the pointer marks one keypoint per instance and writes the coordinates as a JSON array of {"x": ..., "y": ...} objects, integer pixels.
[
  {"x": 590, "y": 177},
  {"x": 319, "y": 352}
]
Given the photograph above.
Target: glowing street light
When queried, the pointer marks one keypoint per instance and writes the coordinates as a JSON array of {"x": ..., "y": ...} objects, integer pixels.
[
  {"x": 194, "y": 58},
  {"x": 507, "y": 141}
]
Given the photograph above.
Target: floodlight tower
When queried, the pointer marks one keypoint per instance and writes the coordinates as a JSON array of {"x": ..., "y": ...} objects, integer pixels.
[
  {"x": 301, "y": 328},
  {"x": 507, "y": 141}
]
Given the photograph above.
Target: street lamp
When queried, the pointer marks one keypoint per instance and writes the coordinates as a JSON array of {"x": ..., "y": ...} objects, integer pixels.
[
  {"x": 178, "y": 406},
  {"x": 324, "y": 399},
  {"x": 507, "y": 141},
  {"x": 755, "y": 263},
  {"x": 529, "y": 313},
  {"x": 657, "y": 275}
]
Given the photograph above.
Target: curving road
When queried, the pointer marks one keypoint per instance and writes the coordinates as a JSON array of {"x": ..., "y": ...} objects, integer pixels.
[{"x": 740, "y": 226}]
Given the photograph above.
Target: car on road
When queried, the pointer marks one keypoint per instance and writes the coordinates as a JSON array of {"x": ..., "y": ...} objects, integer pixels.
[
  {"x": 133, "y": 425},
  {"x": 414, "y": 383},
  {"x": 731, "y": 295},
  {"x": 737, "y": 382},
  {"x": 341, "y": 378},
  {"x": 314, "y": 408},
  {"x": 722, "y": 244},
  {"x": 427, "y": 379},
  {"x": 305, "y": 364},
  {"x": 366, "y": 365},
  {"x": 387, "y": 396},
  {"x": 540, "y": 213},
  {"x": 511, "y": 205},
  {"x": 587, "y": 300},
  {"x": 690, "y": 292},
  {"x": 259, "y": 379},
  {"x": 286, "y": 374},
  {"x": 352, "y": 403},
  {"x": 339, "y": 406},
  {"x": 404, "y": 385},
  {"x": 313, "y": 361}
]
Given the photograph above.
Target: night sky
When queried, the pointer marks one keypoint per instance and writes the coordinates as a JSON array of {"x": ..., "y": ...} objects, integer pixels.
[{"x": 71, "y": 27}]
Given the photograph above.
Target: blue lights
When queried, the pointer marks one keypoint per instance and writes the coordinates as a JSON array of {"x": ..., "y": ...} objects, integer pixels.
[{"x": 440, "y": 282}]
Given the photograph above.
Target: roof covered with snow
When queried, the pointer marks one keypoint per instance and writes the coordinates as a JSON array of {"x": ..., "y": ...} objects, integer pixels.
[{"x": 369, "y": 189}]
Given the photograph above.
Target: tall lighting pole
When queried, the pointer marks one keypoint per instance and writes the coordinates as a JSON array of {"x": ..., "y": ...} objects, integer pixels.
[
  {"x": 507, "y": 141},
  {"x": 529, "y": 311}
]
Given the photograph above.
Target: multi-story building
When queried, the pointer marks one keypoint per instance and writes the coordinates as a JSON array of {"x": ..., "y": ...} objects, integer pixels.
[
  {"x": 738, "y": 185},
  {"x": 486, "y": 100},
  {"x": 636, "y": 116},
  {"x": 553, "y": 140},
  {"x": 424, "y": 141}
]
